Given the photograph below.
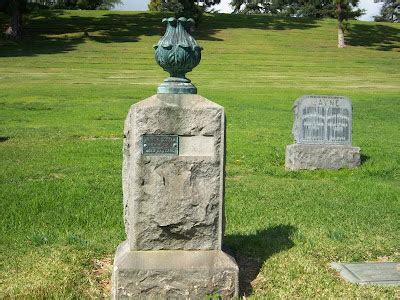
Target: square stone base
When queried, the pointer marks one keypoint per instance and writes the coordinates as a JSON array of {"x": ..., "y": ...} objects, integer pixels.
[
  {"x": 176, "y": 274},
  {"x": 311, "y": 157}
]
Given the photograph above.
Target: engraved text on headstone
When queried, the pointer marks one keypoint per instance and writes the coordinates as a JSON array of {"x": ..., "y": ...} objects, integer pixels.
[{"x": 323, "y": 120}]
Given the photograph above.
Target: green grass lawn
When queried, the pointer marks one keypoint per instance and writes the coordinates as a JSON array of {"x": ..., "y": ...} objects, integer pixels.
[{"x": 66, "y": 88}]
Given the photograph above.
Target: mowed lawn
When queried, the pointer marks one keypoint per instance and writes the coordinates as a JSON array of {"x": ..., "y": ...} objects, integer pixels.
[{"x": 66, "y": 88}]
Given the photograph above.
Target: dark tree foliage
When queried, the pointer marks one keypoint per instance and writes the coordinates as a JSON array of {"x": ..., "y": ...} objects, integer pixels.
[
  {"x": 390, "y": 11},
  {"x": 182, "y": 8},
  {"x": 342, "y": 10},
  {"x": 274, "y": 7},
  {"x": 298, "y": 8},
  {"x": 15, "y": 9}
]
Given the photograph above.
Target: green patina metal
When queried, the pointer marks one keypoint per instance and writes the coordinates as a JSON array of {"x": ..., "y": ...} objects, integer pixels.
[{"x": 178, "y": 53}]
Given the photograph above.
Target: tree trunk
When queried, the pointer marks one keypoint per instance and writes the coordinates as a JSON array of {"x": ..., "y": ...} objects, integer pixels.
[
  {"x": 15, "y": 27},
  {"x": 341, "y": 43}
]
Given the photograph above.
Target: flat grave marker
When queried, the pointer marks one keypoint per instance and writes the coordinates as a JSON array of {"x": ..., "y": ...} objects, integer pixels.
[{"x": 373, "y": 273}]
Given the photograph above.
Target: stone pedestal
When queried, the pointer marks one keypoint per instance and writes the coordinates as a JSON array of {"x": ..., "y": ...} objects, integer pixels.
[
  {"x": 173, "y": 186},
  {"x": 312, "y": 157},
  {"x": 173, "y": 274}
]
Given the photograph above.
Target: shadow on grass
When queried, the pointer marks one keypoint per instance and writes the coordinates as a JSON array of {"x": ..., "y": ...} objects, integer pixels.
[
  {"x": 251, "y": 251},
  {"x": 364, "y": 158},
  {"x": 4, "y": 139},
  {"x": 213, "y": 23},
  {"x": 57, "y": 31},
  {"x": 376, "y": 36},
  {"x": 53, "y": 31}
]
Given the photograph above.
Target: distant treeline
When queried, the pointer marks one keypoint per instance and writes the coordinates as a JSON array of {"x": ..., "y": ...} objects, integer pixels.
[{"x": 72, "y": 4}]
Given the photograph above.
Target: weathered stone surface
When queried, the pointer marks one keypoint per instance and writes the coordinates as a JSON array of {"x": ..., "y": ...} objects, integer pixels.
[
  {"x": 373, "y": 273},
  {"x": 322, "y": 120},
  {"x": 311, "y": 157},
  {"x": 173, "y": 274},
  {"x": 322, "y": 131},
  {"x": 173, "y": 186},
  {"x": 175, "y": 201}
]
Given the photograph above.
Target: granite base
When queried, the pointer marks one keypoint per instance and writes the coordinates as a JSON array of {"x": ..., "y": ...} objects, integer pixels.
[
  {"x": 312, "y": 157},
  {"x": 173, "y": 274}
]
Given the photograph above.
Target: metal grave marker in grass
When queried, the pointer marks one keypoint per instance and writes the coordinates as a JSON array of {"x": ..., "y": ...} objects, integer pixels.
[
  {"x": 173, "y": 187},
  {"x": 322, "y": 132}
]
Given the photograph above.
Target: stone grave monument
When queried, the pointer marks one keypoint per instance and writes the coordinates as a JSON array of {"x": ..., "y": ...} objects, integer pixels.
[
  {"x": 173, "y": 186},
  {"x": 322, "y": 131}
]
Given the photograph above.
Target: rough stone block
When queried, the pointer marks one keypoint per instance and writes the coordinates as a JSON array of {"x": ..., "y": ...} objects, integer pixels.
[
  {"x": 173, "y": 274},
  {"x": 311, "y": 157},
  {"x": 172, "y": 201}
]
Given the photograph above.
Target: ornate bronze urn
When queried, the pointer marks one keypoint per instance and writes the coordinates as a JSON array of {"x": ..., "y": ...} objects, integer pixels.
[{"x": 177, "y": 52}]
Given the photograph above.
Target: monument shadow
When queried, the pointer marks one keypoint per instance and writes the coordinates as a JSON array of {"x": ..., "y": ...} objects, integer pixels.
[
  {"x": 251, "y": 251},
  {"x": 364, "y": 158}
]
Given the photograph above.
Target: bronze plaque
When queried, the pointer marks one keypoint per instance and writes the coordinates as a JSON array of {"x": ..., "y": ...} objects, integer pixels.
[{"x": 158, "y": 144}]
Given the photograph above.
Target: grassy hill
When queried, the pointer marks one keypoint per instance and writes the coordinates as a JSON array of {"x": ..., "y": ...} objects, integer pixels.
[{"x": 65, "y": 90}]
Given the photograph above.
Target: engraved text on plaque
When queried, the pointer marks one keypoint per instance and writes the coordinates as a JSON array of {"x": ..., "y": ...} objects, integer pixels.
[{"x": 154, "y": 144}]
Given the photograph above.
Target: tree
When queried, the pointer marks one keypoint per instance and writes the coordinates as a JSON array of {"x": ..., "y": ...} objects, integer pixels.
[
  {"x": 296, "y": 8},
  {"x": 390, "y": 11},
  {"x": 343, "y": 10},
  {"x": 182, "y": 8},
  {"x": 274, "y": 7},
  {"x": 16, "y": 8},
  {"x": 13, "y": 8}
]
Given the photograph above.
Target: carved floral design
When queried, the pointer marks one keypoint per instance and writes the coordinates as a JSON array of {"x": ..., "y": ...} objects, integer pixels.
[{"x": 177, "y": 52}]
